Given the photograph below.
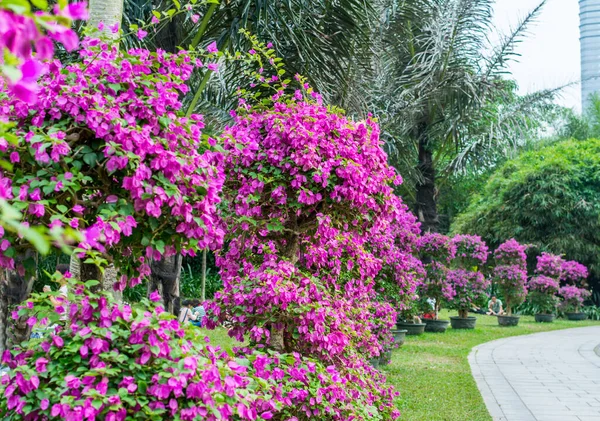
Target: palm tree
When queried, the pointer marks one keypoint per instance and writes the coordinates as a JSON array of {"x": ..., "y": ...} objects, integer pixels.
[
  {"x": 445, "y": 104},
  {"x": 326, "y": 40}
]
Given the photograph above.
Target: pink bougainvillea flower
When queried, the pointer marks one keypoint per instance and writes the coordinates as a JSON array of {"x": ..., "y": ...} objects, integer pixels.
[
  {"x": 195, "y": 18},
  {"x": 212, "y": 47},
  {"x": 141, "y": 34}
]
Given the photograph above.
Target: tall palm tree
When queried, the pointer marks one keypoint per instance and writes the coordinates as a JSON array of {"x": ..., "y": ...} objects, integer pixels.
[{"x": 444, "y": 102}]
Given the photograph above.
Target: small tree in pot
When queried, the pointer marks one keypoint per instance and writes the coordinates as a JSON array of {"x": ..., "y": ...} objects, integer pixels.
[
  {"x": 542, "y": 294},
  {"x": 510, "y": 275},
  {"x": 573, "y": 298},
  {"x": 467, "y": 281},
  {"x": 436, "y": 253}
]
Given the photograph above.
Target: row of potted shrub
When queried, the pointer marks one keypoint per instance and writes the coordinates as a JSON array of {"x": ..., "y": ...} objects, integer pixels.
[{"x": 454, "y": 278}]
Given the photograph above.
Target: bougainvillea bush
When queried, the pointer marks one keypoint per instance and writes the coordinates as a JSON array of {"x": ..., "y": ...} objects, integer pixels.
[
  {"x": 510, "y": 273},
  {"x": 437, "y": 251},
  {"x": 106, "y": 150},
  {"x": 542, "y": 293},
  {"x": 550, "y": 265},
  {"x": 467, "y": 281},
  {"x": 118, "y": 362},
  {"x": 573, "y": 298},
  {"x": 320, "y": 256},
  {"x": 470, "y": 288},
  {"x": 574, "y": 273}
]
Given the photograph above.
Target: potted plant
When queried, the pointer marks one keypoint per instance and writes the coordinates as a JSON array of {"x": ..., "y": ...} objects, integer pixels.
[
  {"x": 572, "y": 300},
  {"x": 542, "y": 294},
  {"x": 467, "y": 281},
  {"x": 436, "y": 252},
  {"x": 510, "y": 276},
  {"x": 469, "y": 287},
  {"x": 409, "y": 320}
]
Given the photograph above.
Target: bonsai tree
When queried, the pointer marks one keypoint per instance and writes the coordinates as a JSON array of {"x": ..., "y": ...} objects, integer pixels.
[
  {"x": 437, "y": 251},
  {"x": 470, "y": 287},
  {"x": 467, "y": 281},
  {"x": 542, "y": 293},
  {"x": 510, "y": 273},
  {"x": 572, "y": 298}
]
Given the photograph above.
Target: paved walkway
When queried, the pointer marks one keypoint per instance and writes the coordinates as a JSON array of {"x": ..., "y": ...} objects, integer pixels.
[{"x": 550, "y": 376}]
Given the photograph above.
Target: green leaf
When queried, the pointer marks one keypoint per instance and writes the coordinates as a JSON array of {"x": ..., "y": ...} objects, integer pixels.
[
  {"x": 91, "y": 283},
  {"x": 90, "y": 159},
  {"x": 62, "y": 208}
]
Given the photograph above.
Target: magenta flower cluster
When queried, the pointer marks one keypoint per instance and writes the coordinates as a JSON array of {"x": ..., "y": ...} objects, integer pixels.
[
  {"x": 543, "y": 284},
  {"x": 550, "y": 265},
  {"x": 469, "y": 287},
  {"x": 573, "y": 272},
  {"x": 470, "y": 248},
  {"x": 107, "y": 151},
  {"x": 124, "y": 362},
  {"x": 21, "y": 33}
]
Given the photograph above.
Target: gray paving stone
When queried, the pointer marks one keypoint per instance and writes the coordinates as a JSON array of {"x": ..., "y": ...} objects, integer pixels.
[{"x": 549, "y": 376}]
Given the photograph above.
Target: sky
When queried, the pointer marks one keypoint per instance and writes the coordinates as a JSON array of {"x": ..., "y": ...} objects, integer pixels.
[{"x": 550, "y": 54}]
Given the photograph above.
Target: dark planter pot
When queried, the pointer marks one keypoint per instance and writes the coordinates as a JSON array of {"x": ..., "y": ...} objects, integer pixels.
[
  {"x": 385, "y": 358},
  {"x": 374, "y": 362},
  {"x": 463, "y": 322},
  {"x": 436, "y": 326},
  {"x": 508, "y": 320},
  {"x": 576, "y": 316},
  {"x": 411, "y": 328},
  {"x": 544, "y": 318},
  {"x": 399, "y": 336}
]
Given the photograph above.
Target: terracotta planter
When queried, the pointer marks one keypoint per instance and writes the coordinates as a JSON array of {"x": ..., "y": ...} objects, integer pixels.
[
  {"x": 508, "y": 320},
  {"x": 576, "y": 316},
  {"x": 436, "y": 326},
  {"x": 399, "y": 336},
  {"x": 463, "y": 322},
  {"x": 544, "y": 318},
  {"x": 411, "y": 328}
]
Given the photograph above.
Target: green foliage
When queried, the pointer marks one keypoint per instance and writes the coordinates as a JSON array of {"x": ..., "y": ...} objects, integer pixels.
[
  {"x": 593, "y": 312},
  {"x": 547, "y": 197}
]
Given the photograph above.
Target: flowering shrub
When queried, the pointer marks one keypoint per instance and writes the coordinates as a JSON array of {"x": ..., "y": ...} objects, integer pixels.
[
  {"x": 436, "y": 252},
  {"x": 117, "y": 362},
  {"x": 549, "y": 265},
  {"x": 107, "y": 151},
  {"x": 511, "y": 253},
  {"x": 470, "y": 249},
  {"x": 21, "y": 30},
  {"x": 510, "y": 273},
  {"x": 542, "y": 293},
  {"x": 469, "y": 287},
  {"x": 573, "y": 298},
  {"x": 573, "y": 272},
  {"x": 320, "y": 245}
]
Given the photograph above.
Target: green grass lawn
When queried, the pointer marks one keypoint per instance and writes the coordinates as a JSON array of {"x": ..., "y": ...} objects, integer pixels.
[{"x": 432, "y": 373}]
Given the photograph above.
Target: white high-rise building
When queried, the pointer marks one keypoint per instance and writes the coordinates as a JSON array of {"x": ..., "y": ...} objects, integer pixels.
[{"x": 589, "y": 29}]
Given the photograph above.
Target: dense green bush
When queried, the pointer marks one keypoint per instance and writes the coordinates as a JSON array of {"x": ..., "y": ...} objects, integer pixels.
[{"x": 549, "y": 197}]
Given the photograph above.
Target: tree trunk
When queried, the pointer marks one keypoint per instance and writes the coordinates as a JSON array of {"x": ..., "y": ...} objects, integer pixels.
[
  {"x": 14, "y": 289},
  {"x": 463, "y": 313},
  {"x": 89, "y": 272},
  {"x": 109, "y": 12},
  {"x": 165, "y": 279},
  {"x": 203, "y": 290},
  {"x": 426, "y": 207}
]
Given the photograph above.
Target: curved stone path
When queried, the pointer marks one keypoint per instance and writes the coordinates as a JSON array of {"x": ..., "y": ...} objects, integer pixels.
[{"x": 549, "y": 376}]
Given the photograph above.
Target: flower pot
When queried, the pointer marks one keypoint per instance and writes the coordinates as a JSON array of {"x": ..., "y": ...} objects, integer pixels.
[
  {"x": 411, "y": 328},
  {"x": 544, "y": 318},
  {"x": 508, "y": 320},
  {"x": 399, "y": 336},
  {"x": 374, "y": 362},
  {"x": 385, "y": 358},
  {"x": 463, "y": 322},
  {"x": 437, "y": 326},
  {"x": 576, "y": 316}
]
